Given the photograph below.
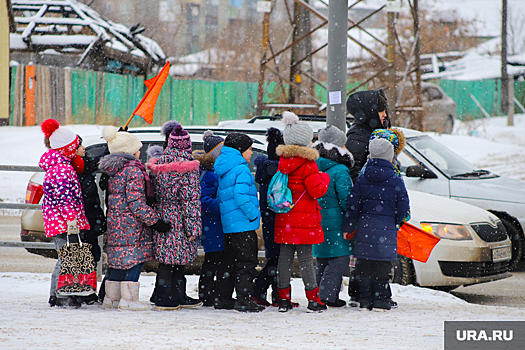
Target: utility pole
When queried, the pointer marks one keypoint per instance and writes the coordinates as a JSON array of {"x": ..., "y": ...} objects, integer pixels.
[
  {"x": 337, "y": 58},
  {"x": 417, "y": 63},
  {"x": 262, "y": 69},
  {"x": 391, "y": 92},
  {"x": 504, "y": 75}
]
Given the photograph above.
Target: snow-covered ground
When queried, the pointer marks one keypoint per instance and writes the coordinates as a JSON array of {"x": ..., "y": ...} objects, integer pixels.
[{"x": 418, "y": 323}]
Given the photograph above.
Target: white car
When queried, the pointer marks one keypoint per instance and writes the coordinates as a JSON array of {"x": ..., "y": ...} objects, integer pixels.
[
  {"x": 428, "y": 166},
  {"x": 474, "y": 246}
]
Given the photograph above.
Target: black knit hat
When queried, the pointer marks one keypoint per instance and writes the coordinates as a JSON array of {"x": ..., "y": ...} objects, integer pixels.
[
  {"x": 275, "y": 138},
  {"x": 239, "y": 141}
]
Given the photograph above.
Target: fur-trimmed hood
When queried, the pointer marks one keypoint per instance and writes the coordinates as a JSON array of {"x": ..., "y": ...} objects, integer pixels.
[
  {"x": 113, "y": 163},
  {"x": 289, "y": 151},
  {"x": 205, "y": 159},
  {"x": 174, "y": 160},
  {"x": 334, "y": 153}
]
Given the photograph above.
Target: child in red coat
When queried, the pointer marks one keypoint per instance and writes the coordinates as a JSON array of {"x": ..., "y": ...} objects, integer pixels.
[{"x": 300, "y": 228}]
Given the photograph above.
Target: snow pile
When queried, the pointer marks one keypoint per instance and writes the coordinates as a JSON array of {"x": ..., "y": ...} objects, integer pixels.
[{"x": 418, "y": 320}]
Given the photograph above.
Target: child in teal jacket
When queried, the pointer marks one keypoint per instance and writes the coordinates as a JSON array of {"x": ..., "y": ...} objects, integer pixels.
[{"x": 333, "y": 255}]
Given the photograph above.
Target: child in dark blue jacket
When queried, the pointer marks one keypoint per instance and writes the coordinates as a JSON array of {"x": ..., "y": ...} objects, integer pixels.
[
  {"x": 266, "y": 169},
  {"x": 376, "y": 208},
  {"x": 212, "y": 235}
]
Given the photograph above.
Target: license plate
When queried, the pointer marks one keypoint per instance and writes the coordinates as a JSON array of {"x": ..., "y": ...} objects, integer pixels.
[{"x": 500, "y": 254}]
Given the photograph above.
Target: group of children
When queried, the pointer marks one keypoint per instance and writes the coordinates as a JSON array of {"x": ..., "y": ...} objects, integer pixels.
[{"x": 209, "y": 196}]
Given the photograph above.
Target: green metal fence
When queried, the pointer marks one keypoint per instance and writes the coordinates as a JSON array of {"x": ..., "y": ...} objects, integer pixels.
[
  {"x": 486, "y": 92},
  {"x": 107, "y": 98}
]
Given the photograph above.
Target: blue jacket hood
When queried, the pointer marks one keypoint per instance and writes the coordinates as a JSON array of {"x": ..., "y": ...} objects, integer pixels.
[
  {"x": 378, "y": 170},
  {"x": 229, "y": 159}
]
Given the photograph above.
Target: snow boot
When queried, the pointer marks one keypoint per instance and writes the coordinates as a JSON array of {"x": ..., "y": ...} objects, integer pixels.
[
  {"x": 224, "y": 304},
  {"x": 112, "y": 295},
  {"x": 314, "y": 302},
  {"x": 365, "y": 294},
  {"x": 129, "y": 297},
  {"x": 52, "y": 300},
  {"x": 285, "y": 302},
  {"x": 178, "y": 291},
  {"x": 164, "y": 300},
  {"x": 68, "y": 302},
  {"x": 337, "y": 303},
  {"x": 262, "y": 302},
  {"x": 380, "y": 295},
  {"x": 244, "y": 303}
]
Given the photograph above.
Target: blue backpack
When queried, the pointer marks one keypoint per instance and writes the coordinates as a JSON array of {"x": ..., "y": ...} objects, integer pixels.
[{"x": 279, "y": 196}]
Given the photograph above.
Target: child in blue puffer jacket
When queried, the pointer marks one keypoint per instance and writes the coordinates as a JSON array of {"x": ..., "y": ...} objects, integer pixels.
[
  {"x": 376, "y": 208},
  {"x": 240, "y": 217},
  {"x": 212, "y": 234}
]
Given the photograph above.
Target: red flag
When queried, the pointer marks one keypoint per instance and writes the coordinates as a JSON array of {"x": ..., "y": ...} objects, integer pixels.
[
  {"x": 146, "y": 107},
  {"x": 415, "y": 243}
]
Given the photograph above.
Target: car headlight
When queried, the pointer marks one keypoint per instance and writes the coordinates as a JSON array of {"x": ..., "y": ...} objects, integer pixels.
[{"x": 447, "y": 231}]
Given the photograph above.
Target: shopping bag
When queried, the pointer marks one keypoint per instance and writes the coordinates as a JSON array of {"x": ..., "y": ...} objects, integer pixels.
[{"x": 77, "y": 271}]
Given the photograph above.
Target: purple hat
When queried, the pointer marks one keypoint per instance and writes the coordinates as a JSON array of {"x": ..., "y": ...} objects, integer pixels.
[{"x": 179, "y": 139}]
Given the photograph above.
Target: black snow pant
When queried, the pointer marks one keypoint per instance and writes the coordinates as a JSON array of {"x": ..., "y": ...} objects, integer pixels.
[
  {"x": 207, "y": 282},
  {"x": 238, "y": 265}
]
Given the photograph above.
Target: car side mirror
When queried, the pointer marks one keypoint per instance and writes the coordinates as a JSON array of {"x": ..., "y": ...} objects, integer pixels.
[{"x": 420, "y": 171}]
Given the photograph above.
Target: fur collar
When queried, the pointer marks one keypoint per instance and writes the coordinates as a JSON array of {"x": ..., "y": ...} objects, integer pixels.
[
  {"x": 206, "y": 160},
  {"x": 179, "y": 167},
  {"x": 335, "y": 153},
  {"x": 289, "y": 151}
]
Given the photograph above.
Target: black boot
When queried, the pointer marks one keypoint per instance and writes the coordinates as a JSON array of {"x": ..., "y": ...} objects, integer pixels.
[
  {"x": 224, "y": 304},
  {"x": 285, "y": 305},
  {"x": 69, "y": 302},
  {"x": 337, "y": 303},
  {"x": 245, "y": 304},
  {"x": 365, "y": 294},
  {"x": 164, "y": 299},
  {"x": 180, "y": 292},
  {"x": 153, "y": 297},
  {"x": 52, "y": 300},
  {"x": 380, "y": 293}
]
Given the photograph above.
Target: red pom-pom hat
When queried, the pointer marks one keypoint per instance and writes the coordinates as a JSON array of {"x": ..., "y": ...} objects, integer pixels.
[{"x": 61, "y": 139}]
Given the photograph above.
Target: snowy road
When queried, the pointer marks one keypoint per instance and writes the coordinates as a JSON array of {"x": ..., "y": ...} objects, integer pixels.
[{"x": 27, "y": 322}]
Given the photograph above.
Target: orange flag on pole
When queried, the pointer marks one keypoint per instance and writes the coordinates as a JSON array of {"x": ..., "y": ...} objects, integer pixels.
[
  {"x": 146, "y": 107},
  {"x": 414, "y": 243}
]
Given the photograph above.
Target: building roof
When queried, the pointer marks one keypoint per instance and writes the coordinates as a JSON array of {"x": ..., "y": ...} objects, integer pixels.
[{"x": 69, "y": 27}]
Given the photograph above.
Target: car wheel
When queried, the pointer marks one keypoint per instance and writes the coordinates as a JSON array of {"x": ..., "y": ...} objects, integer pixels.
[
  {"x": 403, "y": 271},
  {"x": 517, "y": 240},
  {"x": 448, "y": 125}
]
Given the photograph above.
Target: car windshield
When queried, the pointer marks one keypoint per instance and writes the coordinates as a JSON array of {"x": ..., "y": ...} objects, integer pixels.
[{"x": 443, "y": 158}]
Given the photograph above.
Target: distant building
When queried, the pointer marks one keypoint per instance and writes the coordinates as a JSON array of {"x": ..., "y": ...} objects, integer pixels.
[{"x": 183, "y": 26}]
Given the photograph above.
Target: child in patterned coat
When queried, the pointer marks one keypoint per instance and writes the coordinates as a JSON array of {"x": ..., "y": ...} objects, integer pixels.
[{"x": 176, "y": 178}]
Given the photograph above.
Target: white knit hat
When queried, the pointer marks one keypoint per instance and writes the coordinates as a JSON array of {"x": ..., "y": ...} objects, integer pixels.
[
  {"x": 121, "y": 142},
  {"x": 381, "y": 149},
  {"x": 296, "y": 132}
]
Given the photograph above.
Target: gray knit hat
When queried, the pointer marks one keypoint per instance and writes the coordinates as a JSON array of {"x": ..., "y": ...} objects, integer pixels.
[
  {"x": 332, "y": 134},
  {"x": 296, "y": 132},
  {"x": 381, "y": 149},
  {"x": 212, "y": 144}
]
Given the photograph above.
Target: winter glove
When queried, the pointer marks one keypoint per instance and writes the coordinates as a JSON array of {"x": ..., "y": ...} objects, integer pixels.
[
  {"x": 123, "y": 128},
  {"x": 350, "y": 235},
  {"x": 72, "y": 227},
  {"x": 161, "y": 226}
]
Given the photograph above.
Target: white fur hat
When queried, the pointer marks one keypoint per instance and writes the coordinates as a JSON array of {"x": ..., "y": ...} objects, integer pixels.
[{"x": 121, "y": 142}]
